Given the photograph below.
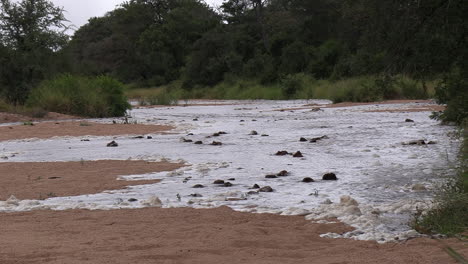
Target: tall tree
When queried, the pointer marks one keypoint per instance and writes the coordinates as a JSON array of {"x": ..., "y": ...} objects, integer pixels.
[{"x": 31, "y": 31}]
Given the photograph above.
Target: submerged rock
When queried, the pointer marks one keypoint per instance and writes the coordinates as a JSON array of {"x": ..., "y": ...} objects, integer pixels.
[
  {"x": 419, "y": 187},
  {"x": 271, "y": 176},
  {"x": 218, "y": 182},
  {"x": 216, "y": 143},
  {"x": 418, "y": 142},
  {"x": 198, "y": 142},
  {"x": 227, "y": 184},
  {"x": 329, "y": 177},
  {"x": 198, "y": 186},
  {"x": 314, "y": 140}
]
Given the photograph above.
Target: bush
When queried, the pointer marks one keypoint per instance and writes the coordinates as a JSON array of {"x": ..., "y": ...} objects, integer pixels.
[
  {"x": 93, "y": 97},
  {"x": 453, "y": 91}
]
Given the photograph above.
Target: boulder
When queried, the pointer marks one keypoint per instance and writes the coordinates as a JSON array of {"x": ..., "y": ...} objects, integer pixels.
[
  {"x": 227, "y": 184},
  {"x": 198, "y": 142},
  {"x": 198, "y": 186},
  {"x": 255, "y": 186},
  {"x": 302, "y": 139},
  {"x": 409, "y": 120},
  {"x": 307, "y": 180},
  {"x": 253, "y": 133}
]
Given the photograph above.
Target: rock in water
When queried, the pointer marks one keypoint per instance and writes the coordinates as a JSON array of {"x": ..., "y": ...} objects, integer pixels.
[
  {"x": 418, "y": 187},
  {"x": 153, "y": 201},
  {"x": 271, "y": 176},
  {"x": 307, "y": 179},
  {"x": 266, "y": 189},
  {"x": 198, "y": 186},
  {"x": 409, "y": 120},
  {"x": 282, "y": 153},
  {"x": 283, "y": 173},
  {"x": 112, "y": 144},
  {"x": 329, "y": 177},
  {"x": 348, "y": 201},
  {"x": 302, "y": 139},
  {"x": 12, "y": 201},
  {"x": 253, "y": 133},
  {"x": 298, "y": 154},
  {"x": 218, "y": 182},
  {"x": 198, "y": 142}
]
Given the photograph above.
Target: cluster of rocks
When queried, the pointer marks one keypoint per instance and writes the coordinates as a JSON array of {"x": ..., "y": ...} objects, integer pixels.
[
  {"x": 326, "y": 177},
  {"x": 282, "y": 173},
  {"x": 419, "y": 142},
  {"x": 297, "y": 154}
]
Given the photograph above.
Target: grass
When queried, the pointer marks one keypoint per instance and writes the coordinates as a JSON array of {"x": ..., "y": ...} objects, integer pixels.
[
  {"x": 450, "y": 215},
  {"x": 296, "y": 86}
]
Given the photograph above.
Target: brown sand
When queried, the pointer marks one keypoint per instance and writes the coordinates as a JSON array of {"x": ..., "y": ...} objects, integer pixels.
[
  {"x": 75, "y": 128},
  {"x": 12, "y": 118},
  {"x": 184, "y": 235},
  {"x": 40, "y": 180}
]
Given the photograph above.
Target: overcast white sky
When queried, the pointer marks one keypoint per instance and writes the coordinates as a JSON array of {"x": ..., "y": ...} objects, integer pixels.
[{"x": 79, "y": 11}]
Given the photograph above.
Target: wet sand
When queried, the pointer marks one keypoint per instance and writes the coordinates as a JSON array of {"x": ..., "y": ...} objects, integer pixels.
[
  {"x": 44, "y": 130},
  {"x": 6, "y": 117},
  {"x": 41, "y": 180},
  {"x": 184, "y": 235}
]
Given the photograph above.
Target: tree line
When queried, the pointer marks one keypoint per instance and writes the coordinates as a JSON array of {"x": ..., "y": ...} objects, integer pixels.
[{"x": 155, "y": 42}]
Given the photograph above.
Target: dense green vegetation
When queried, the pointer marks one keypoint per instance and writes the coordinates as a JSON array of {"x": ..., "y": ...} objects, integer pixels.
[
  {"x": 93, "y": 97},
  {"x": 344, "y": 50},
  {"x": 450, "y": 215}
]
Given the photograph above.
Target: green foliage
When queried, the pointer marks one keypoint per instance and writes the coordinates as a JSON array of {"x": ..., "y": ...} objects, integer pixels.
[
  {"x": 369, "y": 89},
  {"x": 93, "y": 97},
  {"x": 453, "y": 91},
  {"x": 450, "y": 214},
  {"x": 30, "y": 33}
]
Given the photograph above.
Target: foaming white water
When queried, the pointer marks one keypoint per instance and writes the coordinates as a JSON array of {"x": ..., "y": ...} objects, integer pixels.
[{"x": 364, "y": 149}]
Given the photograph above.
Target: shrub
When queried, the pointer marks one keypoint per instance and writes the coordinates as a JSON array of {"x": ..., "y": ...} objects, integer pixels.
[
  {"x": 453, "y": 91},
  {"x": 93, "y": 97}
]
